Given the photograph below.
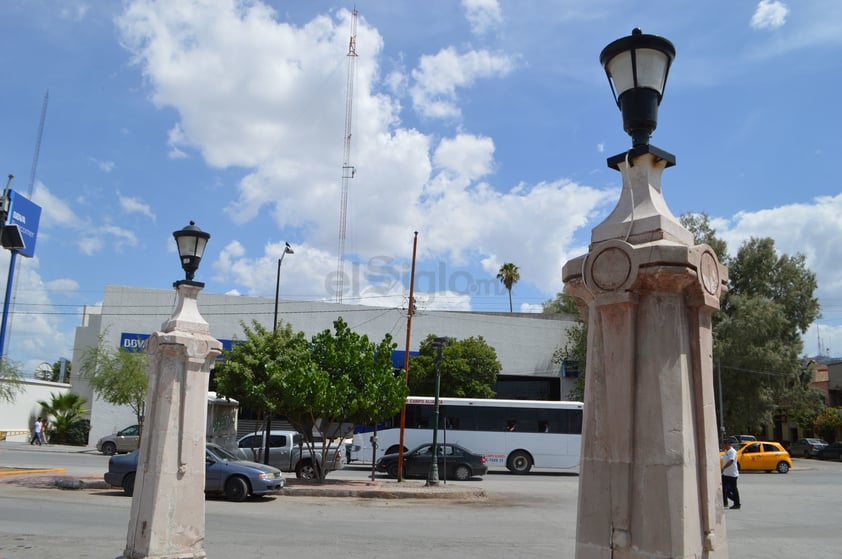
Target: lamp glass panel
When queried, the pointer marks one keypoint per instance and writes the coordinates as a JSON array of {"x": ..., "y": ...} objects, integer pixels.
[
  {"x": 191, "y": 246},
  {"x": 620, "y": 70},
  {"x": 201, "y": 243},
  {"x": 652, "y": 69}
]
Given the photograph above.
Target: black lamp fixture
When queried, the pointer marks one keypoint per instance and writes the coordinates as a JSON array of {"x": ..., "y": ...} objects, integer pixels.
[
  {"x": 637, "y": 67},
  {"x": 191, "y": 243}
]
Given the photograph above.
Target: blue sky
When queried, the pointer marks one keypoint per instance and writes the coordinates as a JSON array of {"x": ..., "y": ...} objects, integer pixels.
[{"x": 482, "y": 124}]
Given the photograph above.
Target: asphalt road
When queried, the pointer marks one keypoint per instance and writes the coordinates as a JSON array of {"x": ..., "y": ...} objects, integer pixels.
[{"x": 792, "y": 515}]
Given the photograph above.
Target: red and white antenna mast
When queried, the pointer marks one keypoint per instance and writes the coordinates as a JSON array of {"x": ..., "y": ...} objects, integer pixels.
[{"x": 348, "y": 170}]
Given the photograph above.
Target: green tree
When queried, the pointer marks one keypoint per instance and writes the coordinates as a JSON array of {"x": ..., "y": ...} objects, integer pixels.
[
  {"x": 574, "y": 353},
  {"x": 118, "y": 376},
  {"x": 828, "y": 423},
  {"x": 10, "y": 385},
  {"x": 57, "y": 370},
  {"x": 769, "y": 305},
  {"x": 66, "y": 417},
  {"x": 337, "y": 380},
  {"x": 249, "y": 372},
  {"x": 509, "y": 275},
  {"x": 757, "y": 337},
  {"x": 468, "y": 369}
]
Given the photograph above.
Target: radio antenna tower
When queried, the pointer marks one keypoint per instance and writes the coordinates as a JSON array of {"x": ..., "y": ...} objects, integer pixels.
[{"x": 348, "y": 170}]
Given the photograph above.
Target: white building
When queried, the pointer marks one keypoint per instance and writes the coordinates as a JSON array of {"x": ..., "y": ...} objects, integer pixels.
[{"x": 524, "y": 342}]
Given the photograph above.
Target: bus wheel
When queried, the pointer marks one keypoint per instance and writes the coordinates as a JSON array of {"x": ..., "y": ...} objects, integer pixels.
[{"x": 519, "y": 462}]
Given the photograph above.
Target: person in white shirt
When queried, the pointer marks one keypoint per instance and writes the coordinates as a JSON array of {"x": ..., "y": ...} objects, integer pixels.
[
  {"x": 36, "y": 435},
  {"x": 730, "y": 473}
]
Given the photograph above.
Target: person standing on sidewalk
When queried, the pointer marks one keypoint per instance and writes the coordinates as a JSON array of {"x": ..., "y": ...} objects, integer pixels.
[
  {"x": 730, "y": 473},
  {"x": 44, "y": 424},
  {"x": 36, "y": 432}
]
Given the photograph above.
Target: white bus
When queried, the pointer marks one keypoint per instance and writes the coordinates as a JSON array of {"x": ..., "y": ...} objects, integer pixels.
[{"x": 515, "y": 434}]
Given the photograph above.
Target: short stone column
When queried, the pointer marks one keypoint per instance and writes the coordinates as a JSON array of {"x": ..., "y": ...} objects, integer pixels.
[
  {"x": 168, "y": 507},
  {"x": 649, "y": 484}
]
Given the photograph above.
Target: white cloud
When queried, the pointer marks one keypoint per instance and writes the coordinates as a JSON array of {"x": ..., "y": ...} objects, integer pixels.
[
  {"x": 468, "y": 156},
  {"x": 482, "y": 15},
  {"x": 133, "y": 205},
  {"x": 104, "y": 166},
  {"x": 278, "y": 111},
  {"x": 812, "y": 229},
  {"x": 770, "y": 14},
  {"x": 55, "y": 212},
  {"x": 63, "y": 285},
  {"x": 438, "y": 77}
]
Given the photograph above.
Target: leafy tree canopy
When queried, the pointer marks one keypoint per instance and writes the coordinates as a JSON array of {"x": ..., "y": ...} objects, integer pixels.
[
  {"x": 468, "y": 369},
  {"x": 249, "y": 373},
  {"x": 757, "y": 333},
  {"x": 10, "y": 385},
  {"x": 118, "y": 376},
  {"x": 323, "y": 386}
]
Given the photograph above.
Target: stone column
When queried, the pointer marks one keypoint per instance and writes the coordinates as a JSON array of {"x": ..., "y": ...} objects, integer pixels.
[
  {"x": 168, "y": 507},
  {"x": 649, "y": 484}
]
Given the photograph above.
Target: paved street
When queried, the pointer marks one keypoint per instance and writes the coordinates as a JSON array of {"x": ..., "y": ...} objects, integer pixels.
[{"x": 792, "y": 515}]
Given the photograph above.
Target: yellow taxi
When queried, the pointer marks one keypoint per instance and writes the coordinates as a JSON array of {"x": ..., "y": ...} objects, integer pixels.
[{"x": 762, "y": 456}]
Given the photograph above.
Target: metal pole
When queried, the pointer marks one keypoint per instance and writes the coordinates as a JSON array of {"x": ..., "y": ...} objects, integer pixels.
[
  {"x": 409, "y": 313},
  {"x": 7, "y": 302},
  {"x": 287, "y": 250},
  {"x": 433, "y": 478}
]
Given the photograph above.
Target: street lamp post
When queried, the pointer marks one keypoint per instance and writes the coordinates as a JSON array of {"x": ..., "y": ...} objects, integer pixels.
[
  {"x": 648, "y": 421},
  {"x": 433, "y": 477},
  {"x": 167, "y": 516},
  {"x": 287, "y": 250}
]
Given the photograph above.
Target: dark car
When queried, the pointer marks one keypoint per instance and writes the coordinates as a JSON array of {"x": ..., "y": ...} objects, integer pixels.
[
  {"x": 454, "y": 462},
  {"x": 808, "y": 448},
  {"x": 224, "y": 474},
  {"x": 833, "y": 451}
]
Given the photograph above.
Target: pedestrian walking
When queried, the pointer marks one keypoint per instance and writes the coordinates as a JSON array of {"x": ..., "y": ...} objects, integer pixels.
[
  {"x": 730, "y": 473},
  {"x": 36, "y": 431},
  {"x": 44, "y": 424}
]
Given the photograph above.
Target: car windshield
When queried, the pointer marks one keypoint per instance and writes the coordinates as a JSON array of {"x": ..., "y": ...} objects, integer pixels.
[
  {"x": 221, "y": 454},
  {"x": 815, "y": 441}
]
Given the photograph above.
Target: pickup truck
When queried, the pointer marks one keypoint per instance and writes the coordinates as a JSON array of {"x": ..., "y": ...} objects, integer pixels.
[{"x": 289, "y": 453}]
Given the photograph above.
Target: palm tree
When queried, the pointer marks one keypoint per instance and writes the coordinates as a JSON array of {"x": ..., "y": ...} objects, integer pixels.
[
  {"x": 509, "y": 275},
  {"x": 67, "y": 412}
]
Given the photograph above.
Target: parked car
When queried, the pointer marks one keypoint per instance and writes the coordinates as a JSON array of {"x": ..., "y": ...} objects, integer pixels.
[
  {"x": 289, "y": 453},
  {"x": 125, "y": 440},
  {"x": 808, "y": 448},
  {"x": 454, "y": 462},
  {"x": 764, "y": 456},
  {"x": 224, "y": 474},
  {"x": 831, "y": 451}
]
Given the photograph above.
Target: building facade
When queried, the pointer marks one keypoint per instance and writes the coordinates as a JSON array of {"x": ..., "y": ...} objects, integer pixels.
[{"x": 524, "y": 343}]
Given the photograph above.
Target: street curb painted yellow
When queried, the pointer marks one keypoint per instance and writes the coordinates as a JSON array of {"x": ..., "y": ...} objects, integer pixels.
[{"x": 31, "y": 471}]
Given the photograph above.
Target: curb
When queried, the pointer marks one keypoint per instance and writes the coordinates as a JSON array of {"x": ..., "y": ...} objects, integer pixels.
[
  {"x": 22, "y": 471},
  {"x": 362, "y": 492}
]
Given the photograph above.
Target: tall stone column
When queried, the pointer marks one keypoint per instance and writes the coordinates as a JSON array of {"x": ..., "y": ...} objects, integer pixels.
[
  {"x": 649, "y": 484},
  {"x": 168, "y": 507}
]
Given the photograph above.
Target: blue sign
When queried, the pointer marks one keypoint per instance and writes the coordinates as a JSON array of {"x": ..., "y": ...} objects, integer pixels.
[
  {"x": 135, "y": 343},
  {"x": 25, "y": 215}
]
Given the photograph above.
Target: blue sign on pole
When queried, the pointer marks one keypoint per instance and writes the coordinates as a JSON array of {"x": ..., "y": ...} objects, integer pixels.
[{"x": 25, "y": 215}]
